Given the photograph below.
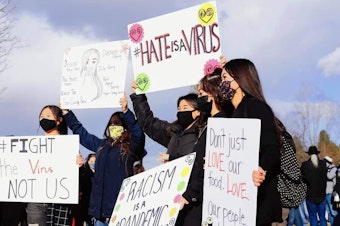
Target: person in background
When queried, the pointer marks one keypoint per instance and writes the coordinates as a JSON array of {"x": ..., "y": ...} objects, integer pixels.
[
  {"x": 86, "y": 173},
  {"x": 122, "y": 145},
  {"x": 331, "y": 180},
  {"x": 53, "y": 123},
  {"x": 314, "y": 172},
  {"x": 210, "y": 104},
  {"x": 336, "y": 198},
  {"x": 179, "y": 136},
  {"x": 242, "y": 87}
]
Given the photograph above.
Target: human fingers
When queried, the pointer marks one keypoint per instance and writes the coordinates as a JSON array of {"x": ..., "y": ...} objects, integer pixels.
[
  {"x": 134, "y": 86},
  {"x": 223, "y": 60}
]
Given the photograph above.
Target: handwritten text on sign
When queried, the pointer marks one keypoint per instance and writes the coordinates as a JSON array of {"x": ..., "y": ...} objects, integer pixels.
[
  {"x": 162, "y": 48},
  {"x": 232, "y": 152},
  {"x": 151, "y": 197},
  {"x": 94, "y": 75},
  {"x": 39, "y": 169}
]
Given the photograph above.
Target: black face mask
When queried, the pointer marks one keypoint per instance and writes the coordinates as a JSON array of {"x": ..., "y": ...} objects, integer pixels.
[
  {"x": 203, "y": 105},
  {"x": 47, "y": 124},
  {"x": 185, "y": 118}
]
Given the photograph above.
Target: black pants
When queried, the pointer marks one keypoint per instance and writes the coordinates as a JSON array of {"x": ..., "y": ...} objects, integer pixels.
[{"x": 13, "y": 213}]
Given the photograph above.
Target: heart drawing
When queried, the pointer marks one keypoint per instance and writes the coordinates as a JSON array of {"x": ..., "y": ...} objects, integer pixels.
[
  {"x": 206, "y": 14},
  {"x": 136, "y": 33},
  {"x": 143, "y": 82}
]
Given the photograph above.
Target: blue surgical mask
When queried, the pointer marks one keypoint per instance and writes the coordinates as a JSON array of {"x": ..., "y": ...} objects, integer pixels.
[{"x": 92, "y": 165}]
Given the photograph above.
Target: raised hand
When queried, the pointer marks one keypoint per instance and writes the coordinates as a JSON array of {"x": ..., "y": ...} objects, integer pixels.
[
  {"x": 124, "y": 103},
  {"x": 223, "y": 60},
  {"x": 134, "y": 86}
]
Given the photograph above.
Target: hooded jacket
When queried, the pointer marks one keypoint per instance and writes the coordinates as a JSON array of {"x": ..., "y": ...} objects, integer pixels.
[{"x": 111, "y": 167}]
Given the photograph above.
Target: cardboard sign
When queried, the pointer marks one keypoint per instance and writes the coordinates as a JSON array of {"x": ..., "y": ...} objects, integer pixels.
[
  {"x": 93, "y": 76},
  {"x": 39, "y": 169},
  {"x": 151, "y": 197},
  {"x": 176, "y": 49},
  {"x": 232, "y": 153}
]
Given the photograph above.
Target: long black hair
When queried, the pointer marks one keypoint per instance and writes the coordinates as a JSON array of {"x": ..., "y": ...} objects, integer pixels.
[{"x": 246, "y": 75}]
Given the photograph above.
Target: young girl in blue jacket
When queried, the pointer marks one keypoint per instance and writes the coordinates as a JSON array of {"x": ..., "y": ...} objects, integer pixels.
[{"x": 123, "y": 143}]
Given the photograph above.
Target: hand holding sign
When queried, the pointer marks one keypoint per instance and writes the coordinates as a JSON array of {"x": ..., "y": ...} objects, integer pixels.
[
  {"x": 182, "y": 202},
  {"x": 123, "y": 102},
  {"x": 223, "y": 60},
  {"x": 134, "y": 86},
  {"x": 259, "y": 176},
  {"x": 163, "y": 157}
]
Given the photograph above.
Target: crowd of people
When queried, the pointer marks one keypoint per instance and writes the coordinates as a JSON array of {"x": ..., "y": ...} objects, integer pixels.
[
  {"x": 323, "y": 188},
  {"x": 232, "y": 91}
]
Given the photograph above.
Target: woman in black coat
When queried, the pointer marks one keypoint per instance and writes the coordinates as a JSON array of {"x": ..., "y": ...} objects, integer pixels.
[
  {"x": 86, "y": 173},
  {"x": 211, "y": 105},
  {"x": 242, "y": 87},
  {"x": 179, "y": 136}
]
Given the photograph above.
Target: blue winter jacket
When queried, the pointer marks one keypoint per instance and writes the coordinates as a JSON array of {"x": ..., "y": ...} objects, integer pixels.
[{"x": 111, "y": 168}]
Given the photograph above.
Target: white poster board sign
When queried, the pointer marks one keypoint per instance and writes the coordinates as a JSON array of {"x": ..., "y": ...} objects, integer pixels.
[
  {"x": 176, "y": 49},
  {"x": 93, "y": 76},
  {"x": 232, "y": 153},
  {"x": 39, "y": 169},
  {"x": 151, "y": 197}
]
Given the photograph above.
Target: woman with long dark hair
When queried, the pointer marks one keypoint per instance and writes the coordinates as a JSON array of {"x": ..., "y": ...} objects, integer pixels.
[
  {"x": 52, "y": 122},
  {"x": 210, "y": 104},
  {"x": 122, "y": 145},
  {"x": 242, "y": 87}
]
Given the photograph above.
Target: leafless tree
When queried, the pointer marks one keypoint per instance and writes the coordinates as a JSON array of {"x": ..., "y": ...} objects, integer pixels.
[
  {"x": 313, "y": 114},
  {"x": 8, "y": 42}
]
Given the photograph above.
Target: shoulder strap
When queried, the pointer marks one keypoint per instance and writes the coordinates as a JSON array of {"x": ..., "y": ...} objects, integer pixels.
[{"x": 201, "y": 132}]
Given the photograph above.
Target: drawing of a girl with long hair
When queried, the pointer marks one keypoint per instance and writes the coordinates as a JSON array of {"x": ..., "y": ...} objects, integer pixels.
[{"x": 91, "y": 86}]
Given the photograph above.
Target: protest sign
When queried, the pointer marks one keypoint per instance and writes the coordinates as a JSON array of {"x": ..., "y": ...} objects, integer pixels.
[
  {"x": 93, "y": 76},
  {"x": 232, "y": 153},
  {"x": 151, "y": 197},
  {"x": 39, "y": 169},
  {"x": 176, "y": 49}
]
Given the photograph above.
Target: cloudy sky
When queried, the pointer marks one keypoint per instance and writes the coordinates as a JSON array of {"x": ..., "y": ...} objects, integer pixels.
[{"x": 294, "y": 44}]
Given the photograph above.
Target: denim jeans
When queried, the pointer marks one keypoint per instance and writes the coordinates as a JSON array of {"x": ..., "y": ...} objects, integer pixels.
[
  {"x": 100, "y": 223},
  {"x": 329, "y": 207},
  {"x": 294, "y": 217},
  {"x": 315, "y": 210},
  {"x": 36, "y": 214}
]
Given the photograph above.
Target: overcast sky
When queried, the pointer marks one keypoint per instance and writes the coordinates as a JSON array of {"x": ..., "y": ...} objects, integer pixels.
[{"x": 294, "y": 44}]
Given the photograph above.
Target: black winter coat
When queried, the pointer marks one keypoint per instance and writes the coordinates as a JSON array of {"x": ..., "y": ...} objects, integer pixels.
[
  {"x": 269, "y": 207},
  {"x": 85, "y": 185},
  {"x": 178, "y": 142},
  {"x": 316, "y": 179},
  {"x": 194, "y": 191}
]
